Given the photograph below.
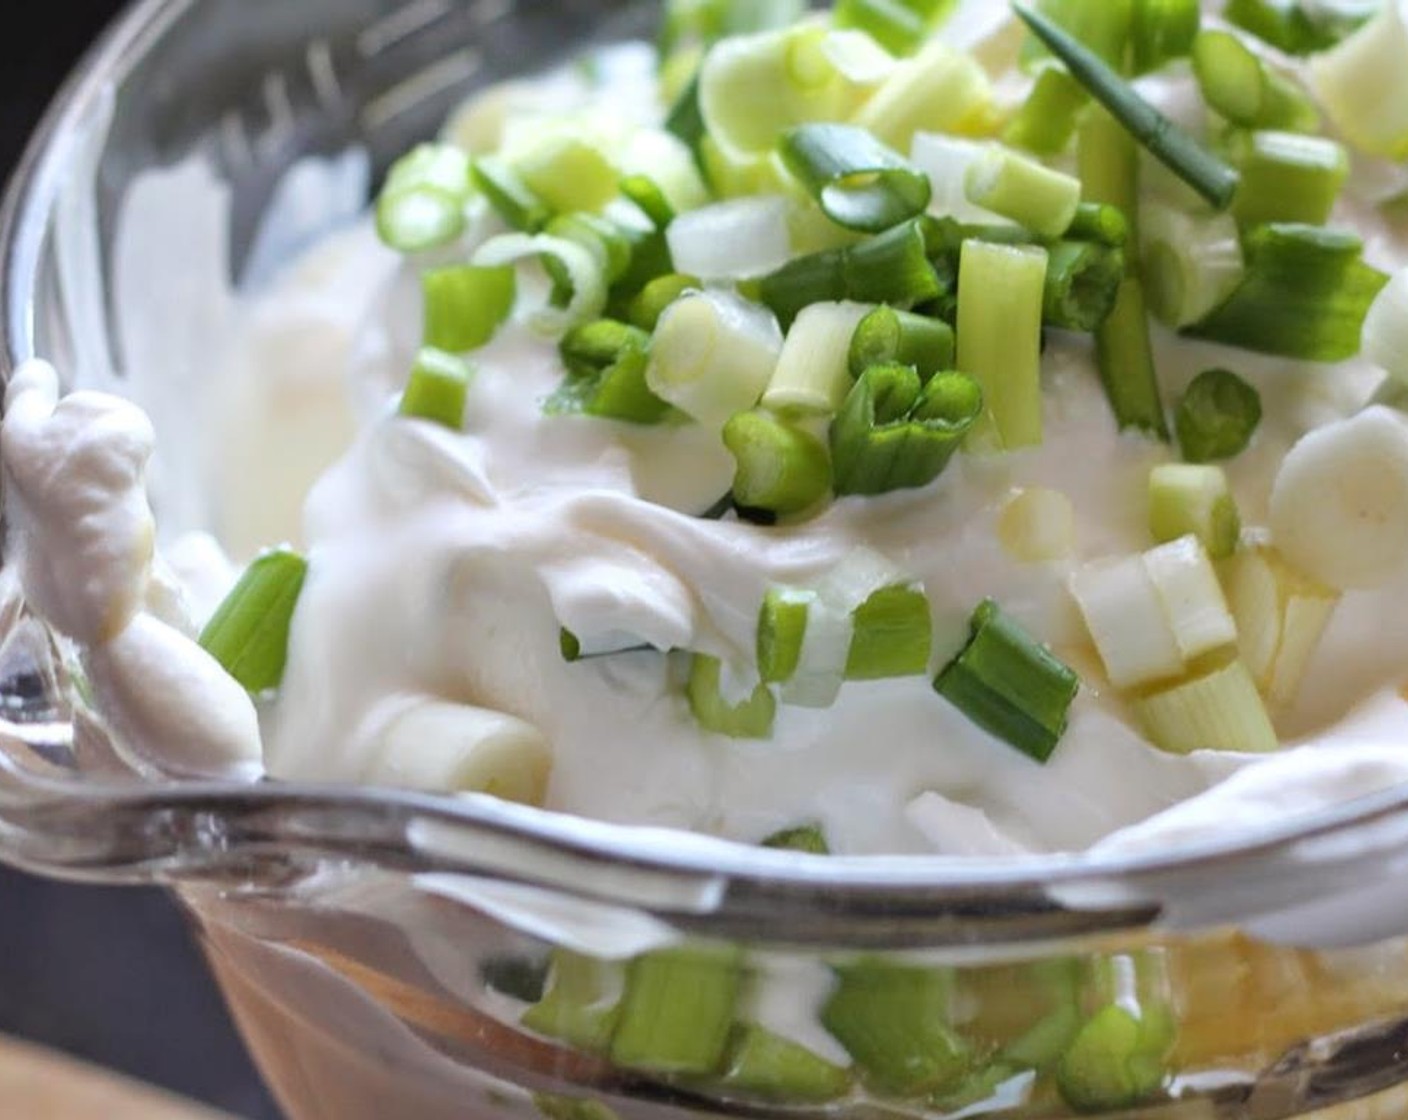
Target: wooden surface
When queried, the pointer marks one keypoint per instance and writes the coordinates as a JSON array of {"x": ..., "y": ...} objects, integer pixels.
[{"x": 40, "y": 1084}]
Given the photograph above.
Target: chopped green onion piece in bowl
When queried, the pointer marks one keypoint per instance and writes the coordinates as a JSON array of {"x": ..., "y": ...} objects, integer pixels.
[
  {"x": 780, "y": 467},
  {"x": 438, "y": 388},
  {"x": 748, "y": 717},
  {"x": 1217, "y": 416},
  {"x": 421, "y": 205},
  {"x": 465, "y": 305},
  {"x": 887, "y": 336},
  {"x": 1191, "y": 262},
  {"x": 1022, "y": 189},
  {"x": 892, "y": 635},
  {"x": 771, "y": 1066},
  {"x": 249, "y": 632},
  {"x": 1194, "y": 498},
  {"x": 1243, "y": 87},
  {"x": 813, "y": 374},
  {"x": 510, "y": 197},
  {"x": 1286, "y": 177},
  {"x": 808, "y": 838},
  {"x": 859, "y": 182}
]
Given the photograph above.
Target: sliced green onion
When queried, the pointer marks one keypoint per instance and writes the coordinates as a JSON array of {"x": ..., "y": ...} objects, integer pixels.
[
  {"x": 1193, "y": 602},
  {"x": 782, "y": 628},
  {"x": 892, "y": 635},
  {"x": 732, "y": 240},
  {"x": 650, "y": 302},
  {"x": 568, "y": 171},
  {"x": 645, "y": 192},
  {"x": 1243, "y": 87},
  {"x": 713, "y": 355},
  {"x": 749, "y": 718},
  {"x": 438, "y": 388},
  {"x": 564, "y": 260},
  {"x": 1192, "y": 262},
  {"x": 807, "y": 838},
  {"x": 421, "y": 205},
  {"x": 813, "y": 373},
  {"x": 248, "y": 634},
  {"x": 1023, "y": 190},
  {"x": 767, "y": 1065},
  {"x": 605, "y": 240},
  {"x": 685, "y": 120},
  {"x": 1117, "y": 1059},
  {"x": 510, "y": 197},
  {"x": 779, "y": 467},
  {"x": 1100, "y": 222},
  {"x": 891, "y": 267},
  {"x": 1162, "y": 31},
  {"x": 895, "y": 432},
  {"x": 1363, "y": 84},
  {"x": 465, "y": 305},
  {"x": 1046, "y": 120},
  {"x": 606, "y": 362},
  {"x": 891, "y": 23},
  {"x": 1186, "y": 498},
  {"x": 1184, "y": 156},
  {"x": 1009, "y": 685},
  {"x": 659, "y": 172},
  {"x": 1305, "y": 295},
  {"x": 1217, "y": 416},
  {"x": 893, "y": 1021},
  {"x": 1385, "y": 334},
  {"x": 1286, "y": 177},
  {"x": 677, "y": 1011},
  {"x": 889, "y": 337},
  {"x": 1104, "y": 27},
  {"x": 650, "y": 259},
  {"x": 946, "y": 159},
  {"x": 1125, "y": 357},
  {"x": 1001, "y": 290},
  {"x": 1296, "y": 27},
  {"x": 859, "y": 182},
  {"x": 938, "y": 90},
  {"x": 582, "y": 1002},
  {"x": 703, "y": 22},
  {"x": 1082, "y": 284},
  {"x": 1220, "y": 710},
  {"x": 1125, "y": 616}
]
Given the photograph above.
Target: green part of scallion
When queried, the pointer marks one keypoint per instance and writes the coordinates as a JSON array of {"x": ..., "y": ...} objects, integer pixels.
[
  {"x": 581, "y": 1005},
  {"x": 750, "y": 718},
  {"x": 808, "y": 838},
  {"x": 678, "y": 1010},
  {"x": 890, "y": 337},
  {"x": 421, "y": 205},
  {"x": 1295, "y": 27},
  {"x": 524, "y": 978},
  {"x": 891, "y": 267},
  {"x": 606, "y": 362},
  {"x": 248, "y": 634},
  {"x": 438, "y": 388},
  {"x": 685, "y": 120},
  {"x": 772, "y": 1067},
  {"x": 1125, "y": 358},
  {"x": 569, "y": 644},
  {"x": 1194, "y": 498},
  {"x": 859, "y": 183},
  {"x": 1046, "y": 120},
  {"x": 1117, "y": 1059},
  {"x": 1100, "y": 222},
  {"x": 509, "y": 195},
  {"x": 891, "y": 23},
  {"x": 645, "y": 192},
  {"x": 893, "y": 1020},
  {"x": 1162, "y": 30},
  {"x": 1082, "y": 284},
  {"x": 1024, "y": 190},
  {"x": 779, "y": 467},
  {"x": 605, "y": 240},
  {"x": 1009, "y": 685},
  {"x": 704, "y": 22},
  {"x": 782, "y": 626},
  {"x": 1212, "y": 178},
  {"x": 650, "y": 302},
  {"x": 892, "y": 635},
  {"x": 1217, "y": 416},
  {"x": 1286, "y": 177},
  {"x": 1104, "y": 27},
  {"x": 1241, "y": 85},
  {"x": 465, "y": 305},
  {"x": 1306, "y": 292},
  {"x": 895, "y": 432},
  {"x": 650, "y": 260},
  {"x": 1001, "y": 296}
]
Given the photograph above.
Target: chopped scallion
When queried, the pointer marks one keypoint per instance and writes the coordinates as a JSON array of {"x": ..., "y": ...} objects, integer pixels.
[
  {"x": 1286, "y": 177},
  {"x": 1242, "y": 86},
  {"x": 750, "y": 718},
  {"x": 248, "y": 634},
  {"x": 782, "y": 628},
  {"x": 645, "y": 192},
  {"x": 892, "y": 635},
  {"x": 650, "y": 302},
  {"x": 1100, "y": 222},
  {"x": 510, "y": 197},
  {"x": 606, "y": 363},
  {"x": 582, "y": 1002},
  {"x": 1217, "y": 416},
  {"x": 438, "y": 388},
  {"x": 1116, "y": 1060},
  {"x": 1082, "y": 284},
  {"x": 773, "y": 1067},
  {"x": 1220, "y": 710},
  {"x": 1191, "y": 262},
  {"x": 859, "y": 182},
  {"x": 465, "y": 305},
  {"x": 887, "y": 336},
  {"x": 813, "y": 373},
  {"x": 1162, "y": 30},
  {"x": 571, "y": 266},
  {"x": 779, "y": 467},
  {"x": 605, "y": 240},
  {"x": 1385, "y": 335},
  {"x": 807, "y": 838},
  {"x": 1294, "y": 26},
  {"x": 1184, "y": 156},
  {"x": 1363, "y": 84},
  {"x": 1024, "y": 190},
  {"x": 940, "y": 89},
  {"x": 1046, "y": 120},
  {"x": 1009, "y": 685},
  {"x": 678, "y": 1010},
  {"x": 891, "y": 23},
  {"x": 1194, "y": 498},
  {"x": 421, "y": 205}
]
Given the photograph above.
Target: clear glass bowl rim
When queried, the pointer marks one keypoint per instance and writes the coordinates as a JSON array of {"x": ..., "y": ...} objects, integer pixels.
[{"x": 871, "y": 885}]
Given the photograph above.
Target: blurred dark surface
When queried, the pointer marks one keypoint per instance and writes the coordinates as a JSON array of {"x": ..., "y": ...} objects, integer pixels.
[{"x": 110, "y": 976}]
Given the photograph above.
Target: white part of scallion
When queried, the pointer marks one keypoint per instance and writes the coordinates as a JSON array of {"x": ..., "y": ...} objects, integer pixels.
[
  {"x": 668, "y": 162},
  {"x": 588, "y": 299},
  {"x": 712, "y": 355},
  {"x": 1386, "y": 328},
  {"x": 813, "y": 372},
  {"x": 946, "y": 159},
  {"x": 1191, "y": 262},
  {"x": 439, "y": 747},
  {"x": 1219, "y": 711},
  {"x": 734, "y": 240},
  {"x": 940, "y": 89},
  {"x": 1127, "y": 620},
  {"x": 1363, "y": 83},
  {"x": 1192, "y": 598},
  {"x": 1023, "y": 190},
  {"x": 1339, "y": 507}
]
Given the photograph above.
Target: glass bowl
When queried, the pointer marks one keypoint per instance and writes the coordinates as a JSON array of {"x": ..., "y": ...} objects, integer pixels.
[{"x": 393, "y": 954}]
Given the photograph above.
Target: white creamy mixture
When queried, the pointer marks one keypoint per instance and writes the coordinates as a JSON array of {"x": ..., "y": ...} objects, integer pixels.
[{"x": 443, "y": 565}]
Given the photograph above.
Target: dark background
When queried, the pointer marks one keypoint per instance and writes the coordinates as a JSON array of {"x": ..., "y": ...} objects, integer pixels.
[{"x": 110, "y": 976}]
